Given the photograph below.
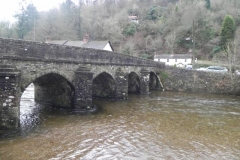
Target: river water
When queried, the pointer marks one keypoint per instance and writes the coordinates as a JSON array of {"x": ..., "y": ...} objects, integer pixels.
[{"x": 162, "y": 125}]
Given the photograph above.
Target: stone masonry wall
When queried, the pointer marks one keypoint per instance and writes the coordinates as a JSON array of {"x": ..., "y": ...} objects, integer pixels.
[
  {"x": 9, "y": 96},
  {"x": 28, "y": 50},
  {"x": 175, "y": 79}
]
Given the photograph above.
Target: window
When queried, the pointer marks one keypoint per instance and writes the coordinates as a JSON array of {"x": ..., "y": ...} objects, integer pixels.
[
  {"x": 167, "y": 60},
  {"x": 175, "y": 60},
  {"x": 185, "y": 60}
]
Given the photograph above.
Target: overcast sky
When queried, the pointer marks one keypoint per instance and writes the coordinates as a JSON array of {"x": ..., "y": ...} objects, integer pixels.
[{"x": 9, "y": 7}]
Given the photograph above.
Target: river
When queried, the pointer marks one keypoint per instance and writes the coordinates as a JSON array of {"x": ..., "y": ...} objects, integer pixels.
[{"x": 162, "y": 125}]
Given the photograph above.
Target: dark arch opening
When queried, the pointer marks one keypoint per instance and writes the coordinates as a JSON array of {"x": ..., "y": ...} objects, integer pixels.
[
  {"x": 104, "y": 86},
  {"x": 133, "y": 83},
  {"x": 50, "y": 90},
  {"x": 55, "y": 90},
  {"x": 154, "y": 83}
]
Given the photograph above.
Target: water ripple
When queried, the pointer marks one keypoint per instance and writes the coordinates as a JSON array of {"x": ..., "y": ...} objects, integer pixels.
[{"x": 163, "y": 125}]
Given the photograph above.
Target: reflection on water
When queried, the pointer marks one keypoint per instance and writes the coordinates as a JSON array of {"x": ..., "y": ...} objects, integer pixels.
[
  {"x": 162, "y": 125},
  {"x": 29, "y": 110}
]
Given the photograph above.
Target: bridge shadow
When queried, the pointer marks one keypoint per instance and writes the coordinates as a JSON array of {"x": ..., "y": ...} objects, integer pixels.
[
  {"x": 104, "y": 86},
  {"x": 53, "y": 94},
  {"x": 46, "y": 96},
  {"x": 154, "y": 82},
  {"x": 133, "y": 83},
  {"x": 55, "y": 90}
]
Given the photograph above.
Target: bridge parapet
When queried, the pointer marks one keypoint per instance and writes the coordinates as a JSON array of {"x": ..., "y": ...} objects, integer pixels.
[{"x": 28, "y": 50}]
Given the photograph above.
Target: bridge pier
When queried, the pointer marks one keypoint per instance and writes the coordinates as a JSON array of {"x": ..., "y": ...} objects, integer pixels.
[
  {"x": 144, "y": 81},
  {"x": 83, "y": 89},
  {"x": 9, "y": 97},
  {"x": 121, "y": 85}
]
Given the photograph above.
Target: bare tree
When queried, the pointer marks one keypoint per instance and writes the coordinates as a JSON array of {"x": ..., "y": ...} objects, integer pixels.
[
  {"x": 171, "y": 42},
  {"x": 230, "y": 55}
]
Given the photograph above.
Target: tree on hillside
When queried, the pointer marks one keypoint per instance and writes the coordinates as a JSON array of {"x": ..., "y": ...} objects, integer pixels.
[
  {"x": 164, "y": 25},
  {"x": 227, "y": 41},
  {"x": 48, "y": 25},
  {"x": 208, "y": 4},
  {"x": 59, "y": 24},
  {"x": 109, "y": 6},
  {"x": 153, "y": 13},
  {"x": 26, "y": 19},
  {"x": 130, "y": 29},
  {"x": 7, "y": 30},
  {"x": 71, "y": 16},
  {"x": 171, "y": 42},
  {"x": 230, "y": 54},
  {"x": 228, "y": 30}
]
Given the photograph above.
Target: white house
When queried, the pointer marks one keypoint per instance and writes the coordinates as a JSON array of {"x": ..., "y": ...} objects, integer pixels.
[
  {"x": 86, "y": 43},
  {"x": 178, "y": 60},
  {"x": 133, "y": 19}
]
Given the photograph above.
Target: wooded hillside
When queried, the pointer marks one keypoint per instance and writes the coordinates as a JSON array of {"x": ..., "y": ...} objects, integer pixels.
[{"x": 164, "y": 27}]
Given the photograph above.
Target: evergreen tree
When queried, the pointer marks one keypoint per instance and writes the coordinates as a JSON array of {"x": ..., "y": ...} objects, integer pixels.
[
  {"x": 228, "y": 30},
  {"x": 208, "y": 4},
  {"x": 153, "y": 13},
  {"x": 130, "y": 29},
  {"x": 26, "y": 19},
  {"x": 72, "y": 16},
  {"x": 67, "y": 7},
  {"x": 227, "y": 41}
]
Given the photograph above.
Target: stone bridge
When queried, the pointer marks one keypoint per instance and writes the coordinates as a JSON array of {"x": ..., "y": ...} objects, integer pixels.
[{"x": 65, "y": 76}]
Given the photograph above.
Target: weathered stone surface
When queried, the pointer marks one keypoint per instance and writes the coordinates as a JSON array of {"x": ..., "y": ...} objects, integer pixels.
[
  {"x": 83, "y": 89},
  {"x": 154, "y": 82},
  {"x": 176, "y": 79},
  {"x": 9, "y": 99},
  {"x": 133, "y": 83},
  {"x": 55, "y": 90},
  {"x": 37, "y": 51},
  {"x": 144, "y": 81},
  {"x": 66, "y": 76},
  {"x": 121, "y": 84},
  {"x": 104, "y": 86}
]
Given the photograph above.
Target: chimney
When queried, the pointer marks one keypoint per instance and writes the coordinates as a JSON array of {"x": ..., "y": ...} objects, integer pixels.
[
  {"x": 48, "y": 38},
  {"x": 85, "y": 38}
]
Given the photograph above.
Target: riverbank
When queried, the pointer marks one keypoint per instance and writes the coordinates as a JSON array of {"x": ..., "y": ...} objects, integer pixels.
[{"x": 177, "y": 79}]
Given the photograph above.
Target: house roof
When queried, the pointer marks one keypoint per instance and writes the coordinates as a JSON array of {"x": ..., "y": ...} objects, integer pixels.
[
  {"x": 74, "y": 43},
  {"x": 133, "y": 17},
  {"x": 90, "y": 44},
  {"x": 95, "y": 44},
  {"x": 60, "y": 42},
  {"x": 173, "y": 56}
]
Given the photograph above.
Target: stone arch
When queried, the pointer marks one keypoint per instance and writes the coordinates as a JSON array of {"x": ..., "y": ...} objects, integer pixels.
[
  {"x": 104, "y": 86},
  {"x": 133, "y": 83},
  {"x": 97, "y": 70},
  {"x": 26, "y": 81},
  {"x": 154, "y": 81},
  {"x": 54, "y": 89}
]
